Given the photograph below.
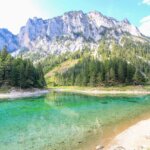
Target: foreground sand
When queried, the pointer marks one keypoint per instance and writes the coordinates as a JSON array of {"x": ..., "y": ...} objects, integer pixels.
[
  {"x": 23, "y": 93},
  {"x": 136, "y": 137}
]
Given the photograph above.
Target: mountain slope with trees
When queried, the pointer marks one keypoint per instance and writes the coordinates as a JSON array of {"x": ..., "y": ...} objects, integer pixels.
[{"x": 112, "y": 64}]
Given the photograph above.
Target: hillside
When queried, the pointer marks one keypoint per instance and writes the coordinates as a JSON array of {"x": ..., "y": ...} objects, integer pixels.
[
  {"x": 60, "y": 69},
  {"x": 63, "y": 67},
  {"x": 110, "y": 64}
]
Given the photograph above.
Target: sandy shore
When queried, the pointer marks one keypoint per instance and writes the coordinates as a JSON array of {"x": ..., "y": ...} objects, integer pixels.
[
  {"x": 137, "y": 137},
  {"x": 23, "y": 93},
  {"x": 102, "y": 92}
]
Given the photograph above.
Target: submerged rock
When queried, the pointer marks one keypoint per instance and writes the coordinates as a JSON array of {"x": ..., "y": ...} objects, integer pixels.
[
  {"x": 120, "y": 148},
  {"x": 99, "y": 147}
]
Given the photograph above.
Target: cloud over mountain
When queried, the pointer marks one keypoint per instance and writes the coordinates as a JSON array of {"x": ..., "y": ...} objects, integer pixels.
[{"x": 145, "y": 26}]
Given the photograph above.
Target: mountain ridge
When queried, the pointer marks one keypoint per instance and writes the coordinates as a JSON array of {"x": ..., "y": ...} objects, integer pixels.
[
  {"x": 7, "y": 39},
  {"x": 70, "y": 32}
]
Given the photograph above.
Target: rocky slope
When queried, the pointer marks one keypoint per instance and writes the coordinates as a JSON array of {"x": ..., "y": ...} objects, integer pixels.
[
  {"x": 72, "y": 31},
  {"x": 7, "y": 39}
]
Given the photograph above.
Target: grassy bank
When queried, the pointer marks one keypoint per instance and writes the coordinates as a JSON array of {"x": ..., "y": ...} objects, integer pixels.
[{"x": 105, "y": 90}]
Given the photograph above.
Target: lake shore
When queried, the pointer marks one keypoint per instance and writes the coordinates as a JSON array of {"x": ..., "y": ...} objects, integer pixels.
[
  {"x": 135, "y": 137},
  {"x": 98, "y": 91},
  {"x": 130, "y": 90},
  {"x": 20, "y": 93}
]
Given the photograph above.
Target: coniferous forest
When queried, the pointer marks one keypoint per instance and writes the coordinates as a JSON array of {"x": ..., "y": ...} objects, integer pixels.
[
  {"x": 16, "y": 72},
  {"x": 111, "y": 64},
  {"x": 90, "y": 72}
]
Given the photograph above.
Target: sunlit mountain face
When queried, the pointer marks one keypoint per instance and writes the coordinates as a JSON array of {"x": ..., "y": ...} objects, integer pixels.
[{"x": 70, "y": 32}]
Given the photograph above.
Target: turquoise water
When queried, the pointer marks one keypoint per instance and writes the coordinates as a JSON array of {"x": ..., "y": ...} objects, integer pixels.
[{"x": 63, "y": 121}]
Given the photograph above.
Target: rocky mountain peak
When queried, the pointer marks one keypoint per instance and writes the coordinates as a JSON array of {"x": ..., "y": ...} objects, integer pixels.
[
  {"x": 7, "y": 39},
  {"x": 72, "y": 31},
  {"x": 95, "y": 13},
  {"x": 72, "y": 23},
  {"x": 126, "y": 21}
]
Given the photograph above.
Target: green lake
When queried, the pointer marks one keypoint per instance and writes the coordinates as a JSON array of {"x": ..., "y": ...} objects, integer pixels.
[{"x": 64, "y": 121}]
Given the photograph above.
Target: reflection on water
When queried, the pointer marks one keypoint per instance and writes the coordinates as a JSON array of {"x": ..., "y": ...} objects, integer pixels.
[{"x": 62, "y": 120}]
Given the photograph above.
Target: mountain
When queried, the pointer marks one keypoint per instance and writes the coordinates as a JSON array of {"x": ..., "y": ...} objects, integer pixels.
[
  {"x": 83, "y": 49},
  {"x": 70, "y": 32},
  {"x": 7, "y": 39}
]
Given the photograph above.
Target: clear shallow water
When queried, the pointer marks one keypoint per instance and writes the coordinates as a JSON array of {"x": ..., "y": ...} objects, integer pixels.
[{"x": 63, "y": 121}]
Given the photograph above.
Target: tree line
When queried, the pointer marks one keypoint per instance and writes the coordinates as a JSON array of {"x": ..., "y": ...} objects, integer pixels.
[
  {"x": 17, "y": 72},
  {"x": 92, "y": 72}
]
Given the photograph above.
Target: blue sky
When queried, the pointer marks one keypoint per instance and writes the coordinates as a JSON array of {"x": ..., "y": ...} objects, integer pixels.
[
  {"x": 137, "y": 11},
  {"x": 134, "y": 10}
]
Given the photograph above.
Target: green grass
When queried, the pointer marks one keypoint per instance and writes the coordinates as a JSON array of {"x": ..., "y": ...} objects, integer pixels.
[
  {"x": 102, "y": 88},
  {"x": 50, "y": 76},
  {"x": 62, "y": 67},
  {"x": 4, "y": 89}
]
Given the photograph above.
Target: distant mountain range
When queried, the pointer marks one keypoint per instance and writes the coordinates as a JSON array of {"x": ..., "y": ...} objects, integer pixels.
[
  {"x": 7, "y": 39},
  {"x": 72, "y": 31}
]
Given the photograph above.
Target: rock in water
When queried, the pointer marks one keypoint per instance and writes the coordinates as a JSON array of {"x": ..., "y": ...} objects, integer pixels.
[{"x": 99, "y": 147}]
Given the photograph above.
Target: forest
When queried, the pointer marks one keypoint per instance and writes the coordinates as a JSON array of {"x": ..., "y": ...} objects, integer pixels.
[
  {"x": 90, "y": 72},
  {"x": 111, "y": 64},
  {"x": 16, "y": 72}
]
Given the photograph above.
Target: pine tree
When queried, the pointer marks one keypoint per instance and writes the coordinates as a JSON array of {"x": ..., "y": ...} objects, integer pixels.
[
  {"x": 4, "y": 54},
  {"x": 112, "y": 75},
  {"x": 121, "y": 75},
  {"x": 41, "y": 80},
  {"x": 139, "y": 77},
  {"x": 1, "y": 72}
]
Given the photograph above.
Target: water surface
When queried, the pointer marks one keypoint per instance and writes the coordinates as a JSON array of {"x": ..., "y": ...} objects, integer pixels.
[{"x": 64, "y": 121}]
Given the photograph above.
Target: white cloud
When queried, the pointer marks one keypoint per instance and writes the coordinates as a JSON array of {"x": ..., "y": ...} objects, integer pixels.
[
  {"x": 15, "y": 13},
  {"x": 146, "y": 2},
  {"x": 145, "y": 26}
]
